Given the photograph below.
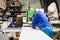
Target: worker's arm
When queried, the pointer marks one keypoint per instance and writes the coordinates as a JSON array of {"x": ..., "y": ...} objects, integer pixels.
[{"x": 34, "y": 21}]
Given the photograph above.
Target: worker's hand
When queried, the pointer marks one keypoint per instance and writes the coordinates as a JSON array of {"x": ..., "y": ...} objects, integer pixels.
[{"x": 36, "y": 28}]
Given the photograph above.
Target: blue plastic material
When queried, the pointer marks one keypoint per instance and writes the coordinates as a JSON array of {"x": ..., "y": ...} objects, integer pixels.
[
  {"x": 41, "y": 20},
  {"x": 11, "y": 24}
]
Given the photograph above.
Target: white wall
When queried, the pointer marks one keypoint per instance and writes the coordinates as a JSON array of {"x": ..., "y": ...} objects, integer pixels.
[{"x": 33, "y": 3}]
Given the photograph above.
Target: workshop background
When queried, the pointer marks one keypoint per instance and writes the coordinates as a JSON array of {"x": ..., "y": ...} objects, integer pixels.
[{"x": 15, "y": 14}]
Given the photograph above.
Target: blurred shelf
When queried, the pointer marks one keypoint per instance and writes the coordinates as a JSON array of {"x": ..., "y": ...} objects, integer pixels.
[
  {"x": 12, "y": 30},
  {"x": 56, "y": 29},
  {"x": 55, "y": 22},
  {"x": 17, "y": 11}
]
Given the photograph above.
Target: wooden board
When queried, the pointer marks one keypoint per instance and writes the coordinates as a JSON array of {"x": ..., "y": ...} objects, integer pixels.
[{"x": 28, "y": 33}]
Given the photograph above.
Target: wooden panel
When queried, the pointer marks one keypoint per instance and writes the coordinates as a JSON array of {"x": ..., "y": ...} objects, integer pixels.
[{"x": 31, "y": 34}]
